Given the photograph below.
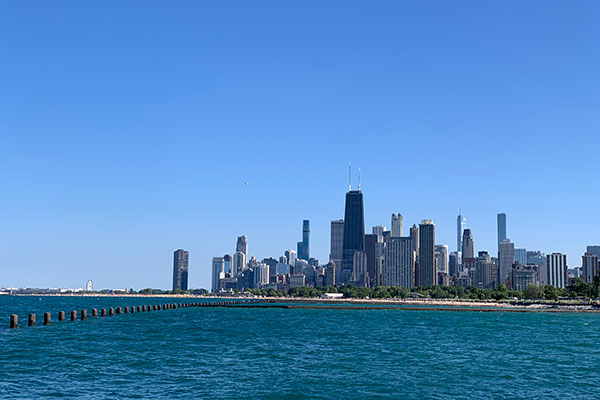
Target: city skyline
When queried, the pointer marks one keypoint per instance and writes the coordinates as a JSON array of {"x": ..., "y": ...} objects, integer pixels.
[{"x": 253, "y": 116}]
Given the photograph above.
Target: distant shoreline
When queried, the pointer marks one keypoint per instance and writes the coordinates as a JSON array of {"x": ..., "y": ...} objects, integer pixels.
[{"x": 575, "y": 306}]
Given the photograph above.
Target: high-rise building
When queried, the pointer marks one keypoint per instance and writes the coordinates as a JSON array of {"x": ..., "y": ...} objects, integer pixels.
[
  {"x": 337, "y": 241},
  {"x": 441, "y": 257},
  {"x": 180, "y": 269},
  {"x": 399, "y": 262},
  {"x": 414, "y": 236},
  {"x": 396, "y": 225},
  {"x": 468, "y": 248},
  {"x": 426, "y": 273},
  {"x": 461, "y": 225},
  {"x": 506, "y": 258},
  {"x": 228, "y": 264},
  {"x": 501, "y": 230},
  {"x": 521, "y": 256},
  {"x": 354, "y": 231},
  {"x": 242, "y": 245},
  {"x": 556, "y": 265},
  {"x": 453, "y": 263},
  {"x": 261, "y": 275},
  {"x": 291, "y": 257},
  {"x": 589, "y": 263},
  {"x": 378, "y": 230},
  {"x": 593, "y": 250},
  {"x": 536, "y": 257},
  {"x": 218, "y": 272},
  {"x": 239, "y": 263},
  {"x": 485, "y": 271},
  {"x": 371, "y": 250},
  {"x": 303, "y": 246},
  {"x": 359, "y": 269}
]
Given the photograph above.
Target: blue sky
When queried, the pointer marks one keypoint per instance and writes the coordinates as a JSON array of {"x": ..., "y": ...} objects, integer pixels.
[{"x": 128, "y": 129}]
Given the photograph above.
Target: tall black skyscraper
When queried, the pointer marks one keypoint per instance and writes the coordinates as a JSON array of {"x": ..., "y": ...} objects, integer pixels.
[
  {"x": 354, "y": 231},
  {"x": 426, "y": 273},
  {"x": 180, "y": 269}
]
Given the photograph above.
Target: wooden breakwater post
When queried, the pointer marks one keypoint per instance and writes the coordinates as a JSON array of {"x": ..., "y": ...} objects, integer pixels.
[
  {"x": 14, "y": 321},
  {"x": 94, "y": 312},
  {"x": 132, "y": 309},
  {"x": 118, "y": 310},
  {"x": 47, "y": 317},
  {"x": 31, "y": 320},
  {"x": 111, "y": 312},
  {"x": 126, "y": 310},
  {"x": 103, "y": 312},
  {"x": 139, "y": 308},
  {"x": 83, "y": 315},
  {"x": 61, "y": 315},
  {"x": 74, "y": 315}
]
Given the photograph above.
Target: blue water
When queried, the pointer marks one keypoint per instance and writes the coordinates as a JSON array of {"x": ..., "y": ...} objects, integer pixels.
[{"x": 295, "y": 353}]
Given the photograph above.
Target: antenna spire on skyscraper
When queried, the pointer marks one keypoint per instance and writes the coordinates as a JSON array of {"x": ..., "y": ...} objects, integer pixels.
[
  {"x": 358, "y": 178},
  {"x": 350, "y": 176}
]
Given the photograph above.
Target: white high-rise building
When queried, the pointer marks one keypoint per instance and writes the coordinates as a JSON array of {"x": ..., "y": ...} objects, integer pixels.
[
  {"x": 441, "y": 256},
  {"x": 396, "y": 225},
  {"x": 556, "y": 265},
  {"x": 239, "y": 263},
  {"x": 399, "y": 262},
  {"x": 218, "y": 272},
  {"x": 261, "y": 275},
  {"x": 291, "y": 257}
]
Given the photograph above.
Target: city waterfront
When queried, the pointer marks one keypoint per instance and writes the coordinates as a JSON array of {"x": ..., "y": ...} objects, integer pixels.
[{"x": 297, "y": 353}]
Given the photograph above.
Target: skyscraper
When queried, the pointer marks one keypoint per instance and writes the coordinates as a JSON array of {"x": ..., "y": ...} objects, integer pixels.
[
  {"x": 291, "y": 257},
  {"x": 359, "y": 269},
  {"x": 468, "y": 250},
  {"x": 485, "y": 271},
  {"x": 441, "y": 256},
  {"x": 521, "y": 256},
  {"x": 242, "y": 245},
  {"x": 337, "y": 242},
  {"x": 399, "y": 262},
  {"x": 426, "y": 273},
  {"x": 218, "y": 272},
  {"x": 303, "y": 246},
  {"x": 396, "y": 225},
  {"x": 589, "y": 262},
  {"x": 414, "y": 237},
  {"x": 239, "y": 263},
  {"x": 354, "y": 231},
  {"x": 371, "y": 249},
  {"x": 228, "y": 264},
  {"x": 501, "y": 229},
  {"x": 556, "y": 264},
  {"x": 461, "y": 224},
  {"x": 453, "y": 263},
  {"x": 378, "y": 230},
  {"x": 506, "y": 258},
  {"x": 180, "y": 269},
  {"x": 261, "y": 275}
]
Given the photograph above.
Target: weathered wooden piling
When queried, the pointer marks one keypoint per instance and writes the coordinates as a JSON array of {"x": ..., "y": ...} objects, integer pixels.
[
  {"x": 132, "y": 310},
  {"x": 94, "y": 312},
  {"x": 61, "y": 315},
  {"x": 103, "y": 312},
  {"x": 139, "y": 309},
  {"x": 14, "y": 321},
  {"x": 47, "y": 317},
  {"x": 154, "y": 307},
  {"x": 143, "y": 308},
  {"x": 111, "y": 312},
  {"x": 83, "y": 315},
  {"x": 31, "y": 320},
  {"x": 118, "y": 310},
  {"x": 73, "y": 315}
]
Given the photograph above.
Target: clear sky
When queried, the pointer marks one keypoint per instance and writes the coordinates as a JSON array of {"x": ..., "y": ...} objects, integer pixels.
[{"x": 129, "y": 128}]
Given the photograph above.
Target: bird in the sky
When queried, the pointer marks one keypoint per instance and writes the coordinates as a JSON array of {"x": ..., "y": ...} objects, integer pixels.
[{"x": 246, "y": 183}]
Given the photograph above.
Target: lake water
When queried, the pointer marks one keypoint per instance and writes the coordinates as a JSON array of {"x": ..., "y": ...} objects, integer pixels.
[{"x": 295, "y": 354}]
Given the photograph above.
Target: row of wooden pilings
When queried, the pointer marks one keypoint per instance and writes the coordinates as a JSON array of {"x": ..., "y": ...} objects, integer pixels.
[{"x": 83, "y": 314}]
